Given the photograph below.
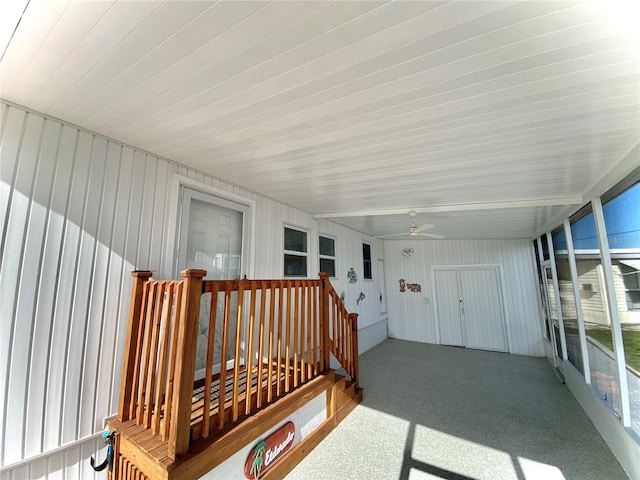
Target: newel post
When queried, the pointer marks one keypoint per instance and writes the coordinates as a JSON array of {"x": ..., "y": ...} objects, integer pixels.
[
  {"x": 133, "y": 327},
  {"x": 324, "y": 320},
  {"x": 180, "y": 429},
  {"x": 353, "y": 321}
]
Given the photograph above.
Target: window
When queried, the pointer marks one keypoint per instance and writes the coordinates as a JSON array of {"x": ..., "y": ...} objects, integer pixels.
[
  {"x": 366, "y": 261},
  {"x": 630, "y": 273},
  {"x": 327, "y": 249},
  {"x": 622, "y": 223},
  {"x": 599, "y": 337},
  {"x": 567, "y": 301},
  {"x": 295, "y": 253}
]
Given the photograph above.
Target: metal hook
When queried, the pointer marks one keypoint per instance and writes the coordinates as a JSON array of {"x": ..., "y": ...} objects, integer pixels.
[{"x": 108, "y": 438}]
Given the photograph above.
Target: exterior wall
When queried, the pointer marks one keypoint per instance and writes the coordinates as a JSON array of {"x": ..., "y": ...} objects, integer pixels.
[
  {"x": 412, "y": 316},
  {"x": 79, "y": 212},
  {"x": 70, "y": 462}
]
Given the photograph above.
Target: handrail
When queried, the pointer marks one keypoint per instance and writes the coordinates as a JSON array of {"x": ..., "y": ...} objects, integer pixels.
[
  {"x": 343, "y": 331},
  {"x": 261, "y": 339}
]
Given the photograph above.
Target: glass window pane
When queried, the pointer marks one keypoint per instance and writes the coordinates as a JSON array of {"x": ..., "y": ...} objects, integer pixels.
[
  {"x": 622, "y": 221},
  {"x": 554, "y": 319},
  {"x": 295, "y": 265},
  {"x": 295, "y": 240},
  {"x": 329, "y": 266},
  {"x": 543, "y": 296},
  {"x": 595, "y": 312},
  {"x": 545, "y": 247},
  {"x": 366, "y": 256},
  {"x": 567, "y": 301},
  {"x": 327, "y": 246}
]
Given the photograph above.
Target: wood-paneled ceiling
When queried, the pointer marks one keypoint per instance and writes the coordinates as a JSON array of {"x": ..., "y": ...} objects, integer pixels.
[{"x": 488, "y": 118}]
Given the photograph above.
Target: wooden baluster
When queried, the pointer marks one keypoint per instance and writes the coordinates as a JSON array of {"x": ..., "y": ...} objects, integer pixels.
[
  {"x": 336, "y": 335},
  {"x": 213, "y": 313},
  {"x": 173, "y": 349},
  {"x": 343, "y": 334},
  {"x": 236, "y": 360},
  {"x": 296, "y": 322},
  {"x": 308, "y": 334},
  {"x": 354, "y": 348},
  {"x": 223, "y": 354},
  {"x": 127, "y": 384},
  {"x": 179, "y": 431},
  {"x": 280, "y": 346},
  {"x": 287, "y": 343},
  {"x": 272, "y": 321},
  {"x": 347, "y": 344},
  {"x": 317, "y": 330},
  {"x": 162, "y": 356},
  {"x": 153, "y": 356},
  {"x": 303, "y": 321},
  {"x": 139, "y": 352},
  {"x": 263, "y": 306},
  {"x": 338, "y": 329},
  {"x": 146, "y": 336},
  {"x": 249, "y": 352},
  {"x": 324, "y": 308}
]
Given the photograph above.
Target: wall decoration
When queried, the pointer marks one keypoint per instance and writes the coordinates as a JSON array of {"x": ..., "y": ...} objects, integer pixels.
[
  {"x": 413, "y": 287},
  {"x": 352, "y": 276},
  {"x": 360, "y": 298}
]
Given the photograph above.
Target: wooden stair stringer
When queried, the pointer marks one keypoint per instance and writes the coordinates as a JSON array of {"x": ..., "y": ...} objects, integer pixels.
[{"x": 347, "y": 397}]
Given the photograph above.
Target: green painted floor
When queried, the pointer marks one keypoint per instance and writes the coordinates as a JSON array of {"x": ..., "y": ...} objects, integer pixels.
[{"x": 435, "y": 412}]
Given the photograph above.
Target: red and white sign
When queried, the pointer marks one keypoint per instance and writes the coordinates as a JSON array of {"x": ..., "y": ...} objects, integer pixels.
[{"x": 266, "y": 453}]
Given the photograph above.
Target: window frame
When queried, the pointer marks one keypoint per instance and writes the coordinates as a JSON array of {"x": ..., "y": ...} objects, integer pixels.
[
  {"x": 296, "y": 253},
  {"x": 322, "y": 256}
]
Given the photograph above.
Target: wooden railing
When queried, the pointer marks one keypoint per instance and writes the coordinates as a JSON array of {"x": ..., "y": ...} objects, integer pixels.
[
  {"x": 343, "y": 341},
  {"x": 201, "y": 354}
]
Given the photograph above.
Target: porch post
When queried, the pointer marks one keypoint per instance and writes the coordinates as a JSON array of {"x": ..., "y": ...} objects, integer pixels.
[
  {"x": 131, "y": 342},
  {"x": 324, "y": 321},
  {"x": 179, "y": 431}
]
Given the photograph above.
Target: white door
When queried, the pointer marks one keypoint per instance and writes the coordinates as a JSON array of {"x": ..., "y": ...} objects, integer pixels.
[
  {"x": 469, "y": 307},
  {"x": 211, "y": 238},
  {"x": 448, "y": 311},
  {"x": 211, "y": 235},
  {"x": 482, "y": 309}
]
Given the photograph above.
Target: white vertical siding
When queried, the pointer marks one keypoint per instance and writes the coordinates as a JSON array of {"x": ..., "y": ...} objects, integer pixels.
[
  {"x": 68, "y": 462},
  {"x": 412, "y": 316},
  {"x": 79, "y": 212}
]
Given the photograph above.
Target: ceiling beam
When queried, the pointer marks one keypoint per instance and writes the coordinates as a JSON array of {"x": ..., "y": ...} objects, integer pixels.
[{"x": 461, "y": 207}]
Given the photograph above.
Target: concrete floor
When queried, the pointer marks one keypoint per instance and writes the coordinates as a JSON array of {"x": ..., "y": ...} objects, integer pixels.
[{"x": 436, "y": 412}]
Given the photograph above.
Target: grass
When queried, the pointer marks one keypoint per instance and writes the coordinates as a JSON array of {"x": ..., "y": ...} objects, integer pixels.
[{"x": 630, "y": 339}]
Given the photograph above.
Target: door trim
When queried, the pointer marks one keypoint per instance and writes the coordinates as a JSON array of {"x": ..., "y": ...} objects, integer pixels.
[{"x": 172, "y": 226}]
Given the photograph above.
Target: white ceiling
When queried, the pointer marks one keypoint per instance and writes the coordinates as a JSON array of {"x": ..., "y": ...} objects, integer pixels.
[{"x": 489, "y": 118}]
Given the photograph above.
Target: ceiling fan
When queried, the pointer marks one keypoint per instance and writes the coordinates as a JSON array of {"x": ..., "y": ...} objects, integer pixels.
[{"x": 414, "y": 230}]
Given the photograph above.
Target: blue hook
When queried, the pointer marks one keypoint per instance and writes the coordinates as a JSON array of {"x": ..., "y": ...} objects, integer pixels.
[{"x": 108, "y": 438}]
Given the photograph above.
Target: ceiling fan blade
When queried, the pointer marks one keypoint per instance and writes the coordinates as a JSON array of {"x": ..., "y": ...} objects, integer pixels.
[
  {"x": 421, "y": 228},
  {"x": 393, "y": 235},
  {"x": 431, "y": 235}
]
